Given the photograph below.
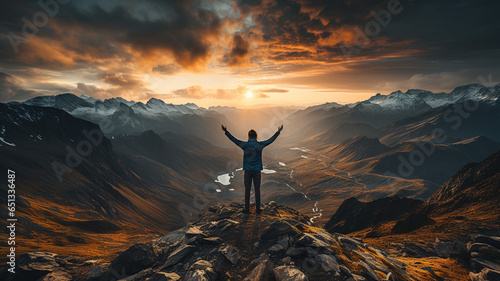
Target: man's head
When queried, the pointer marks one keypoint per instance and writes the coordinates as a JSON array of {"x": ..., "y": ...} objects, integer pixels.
[{"x": 252, "y": 134}]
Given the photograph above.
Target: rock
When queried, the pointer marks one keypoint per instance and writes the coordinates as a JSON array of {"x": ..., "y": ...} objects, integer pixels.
[
  {"x": 289, "y": 273},
  {"x": 201, "y": 275},
  {"x": 350, "y": 243},
  {"x": 278, "y": 228},
  {"x": 358, "y": 277},
  {"x": 273, "y": 204},
  {"x": 136, "y": 258},
  {"x": 142, "y": 275},
  {"x": 262, "y": 272},
  {"x": 230, "y": 253},
  {"x": 276, "y": 248},
  {"x": 212, "y": 240},
  {"x": 201, "y": 265},
  {"x": 345, "y": 271},
  {"x": 285, "y": 242},
  {"x": 307, "y": 240},
  {"x": 428, "y": 269},
  {"x": 374, "y": 264},
  {"x": 57, "y": 275},
  {"x": 485, "y": 250},
  {"x": 328, "y": 262},
  {"x": 311, "y": 252},
  {"x": 179, "y": 254},
  {"x": 485, "y": 275},
  {"x": 225, "y": 213},
  {"x": 443, "y": 249},
  {"x": 490, "y": 240},
  {"x": 368, "y": 272},
  {"x": 194, "y": 230},
  {"x": 194, "y": 240},
  {"x": 390, "y": 277},
  {"x": 163, "y": 276},
  {"x": 34, "y": 265},
  {"x": 479, "y": 263},
  {"x": 95, "y": 272},
  {"x": 292, "y": 251},
  {"x": 263, "y": 257},
  {"x": 287, "y": 260},
  {"x": 173, "y": 236}
]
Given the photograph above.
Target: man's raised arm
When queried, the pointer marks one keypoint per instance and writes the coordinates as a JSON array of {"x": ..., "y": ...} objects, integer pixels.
[
  {"x": 273, "y": 138},
  {"x": 233, "y": 139}
]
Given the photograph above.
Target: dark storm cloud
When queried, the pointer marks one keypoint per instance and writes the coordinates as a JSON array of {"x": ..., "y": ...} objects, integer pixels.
[
  {"x": 166, "y": 69},
  {"x": 181, "y": 28},
  {"x": 433, "y": 29},
  {"x": 11, "y": 89},
  {"x": 239, "y": 50}
]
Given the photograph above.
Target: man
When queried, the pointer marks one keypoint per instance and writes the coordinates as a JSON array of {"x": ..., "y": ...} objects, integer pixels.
[{"x": 252, "y": 163}]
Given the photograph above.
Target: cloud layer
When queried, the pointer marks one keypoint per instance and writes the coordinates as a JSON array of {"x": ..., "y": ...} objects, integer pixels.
[{"x": 272, "y": 45}]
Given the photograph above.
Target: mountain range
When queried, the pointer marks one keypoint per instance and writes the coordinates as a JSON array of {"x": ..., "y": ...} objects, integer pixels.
[{"x": 102, "y": 173}]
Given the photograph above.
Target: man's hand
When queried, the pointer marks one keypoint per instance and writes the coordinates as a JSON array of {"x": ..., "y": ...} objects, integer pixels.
[
  {"x": 280, "y": 128},
  {"x": 224, "y": 128}
]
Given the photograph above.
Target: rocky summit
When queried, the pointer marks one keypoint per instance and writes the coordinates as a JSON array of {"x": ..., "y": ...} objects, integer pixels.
[{"x": 225, "y": 244}]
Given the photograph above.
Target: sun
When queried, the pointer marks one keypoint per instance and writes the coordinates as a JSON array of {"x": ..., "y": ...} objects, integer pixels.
[{"x": 249, "y": 95}]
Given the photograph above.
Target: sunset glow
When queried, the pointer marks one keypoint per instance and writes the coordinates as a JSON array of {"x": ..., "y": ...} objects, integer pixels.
[{"x": 212, "y": 52}]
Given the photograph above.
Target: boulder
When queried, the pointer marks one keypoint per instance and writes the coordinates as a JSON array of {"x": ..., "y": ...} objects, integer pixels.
[
  {"x": 307, "y": 240},
  {"x": 201, "y": 265},
  {"x": 485, "y": 275},
  {"x": 95, "y": 272},
  {"x": 163, "y": 276},
  {"x": 225, "y": 213},
  {"x": 230, "y": 253},
  {"x": 368, "y": 272},
  {"x": 262, "y": 272},
  {"x": 328, "y": 262},
  {"x": 136, "y": 258},
  {"x": 212, "y": 240},
  {"x": 276, "y": 249},
  {"x": 345, "y": 271},
  {"x": 358, "y": 277},
  {"x": 141, "y": 275},
  {"x": 490, "y": 240},
  {"x": 289, "y": 273},
  {"x": 207, "y": 274},
  {"x": 57, "y": 275},
  {"x": 194, "y": 230},
  {"x": 292, "y": 251},
  {"x": 179, "y": 254},
  {"x": 374, "y": 264},
  {"x": 173, "y": 236},
  {"x": 278, "y": 228},
  {"x": 390, "y": 277},
  {"x": 32, "y": 266},
  {"x": 485, "y": 250},
  {"x": 350, "y": 243}
]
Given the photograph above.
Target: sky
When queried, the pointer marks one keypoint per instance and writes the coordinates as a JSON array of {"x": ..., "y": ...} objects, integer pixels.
[{"x": 245, "y": 52}]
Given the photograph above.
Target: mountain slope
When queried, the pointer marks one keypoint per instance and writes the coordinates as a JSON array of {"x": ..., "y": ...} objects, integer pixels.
[
  {"x": 476, "y": 184},
  {"x": 69, "y": 178},
  {"x": 354, "y": 215}
]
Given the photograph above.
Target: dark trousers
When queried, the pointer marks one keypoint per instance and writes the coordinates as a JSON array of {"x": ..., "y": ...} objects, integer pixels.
[{"x": 255, "y": 177}]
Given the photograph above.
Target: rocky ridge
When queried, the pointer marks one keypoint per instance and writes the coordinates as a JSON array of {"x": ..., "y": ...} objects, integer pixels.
[{"x": 225, "y": 244}]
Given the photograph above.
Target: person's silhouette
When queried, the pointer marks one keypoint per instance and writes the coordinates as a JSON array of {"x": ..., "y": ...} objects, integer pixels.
[{"x": 252, "y": 163}]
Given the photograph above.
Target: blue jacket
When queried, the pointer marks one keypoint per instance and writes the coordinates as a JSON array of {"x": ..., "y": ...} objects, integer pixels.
[{"x": 252, "y": 156}]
